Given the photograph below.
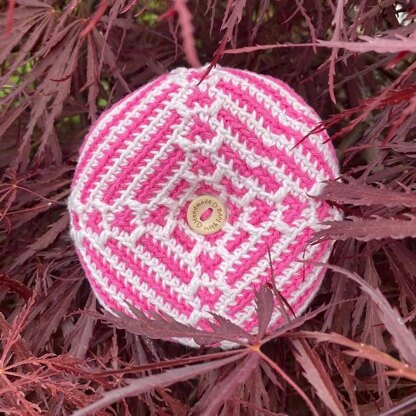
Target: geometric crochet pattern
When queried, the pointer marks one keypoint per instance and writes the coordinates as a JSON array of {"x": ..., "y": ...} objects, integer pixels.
[{"x": 238, "y": 137}]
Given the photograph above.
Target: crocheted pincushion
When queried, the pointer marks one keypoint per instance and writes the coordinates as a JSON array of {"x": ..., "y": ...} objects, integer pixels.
[{"x": 237, "y": 138}]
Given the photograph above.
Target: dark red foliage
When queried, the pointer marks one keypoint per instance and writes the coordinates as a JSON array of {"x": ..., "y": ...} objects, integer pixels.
[{"x": 64, "y": 62}]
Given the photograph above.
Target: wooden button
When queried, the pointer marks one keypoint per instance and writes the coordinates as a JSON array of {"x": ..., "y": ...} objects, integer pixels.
[{"x": 206, "y": 214}]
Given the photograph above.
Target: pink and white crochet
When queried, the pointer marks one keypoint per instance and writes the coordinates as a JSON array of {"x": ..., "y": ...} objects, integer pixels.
[{"x": 237, "y": 136}]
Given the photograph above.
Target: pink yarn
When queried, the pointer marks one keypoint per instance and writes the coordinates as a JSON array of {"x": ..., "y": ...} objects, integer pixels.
[{"x": 237, "y": 136}]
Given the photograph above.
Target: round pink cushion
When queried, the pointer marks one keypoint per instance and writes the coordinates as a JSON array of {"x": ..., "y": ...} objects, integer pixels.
[{"x": 237, "y": 136}]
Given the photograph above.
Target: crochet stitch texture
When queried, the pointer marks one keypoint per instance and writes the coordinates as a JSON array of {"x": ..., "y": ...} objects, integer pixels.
[{"x": 238, "y": 136}]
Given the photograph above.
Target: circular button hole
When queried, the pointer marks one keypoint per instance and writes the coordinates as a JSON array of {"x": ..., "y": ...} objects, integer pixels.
[{"x": 206, "y": 214}]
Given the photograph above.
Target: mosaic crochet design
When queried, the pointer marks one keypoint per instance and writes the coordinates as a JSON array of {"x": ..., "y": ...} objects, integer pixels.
[{"x": 233, "y": 136}]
